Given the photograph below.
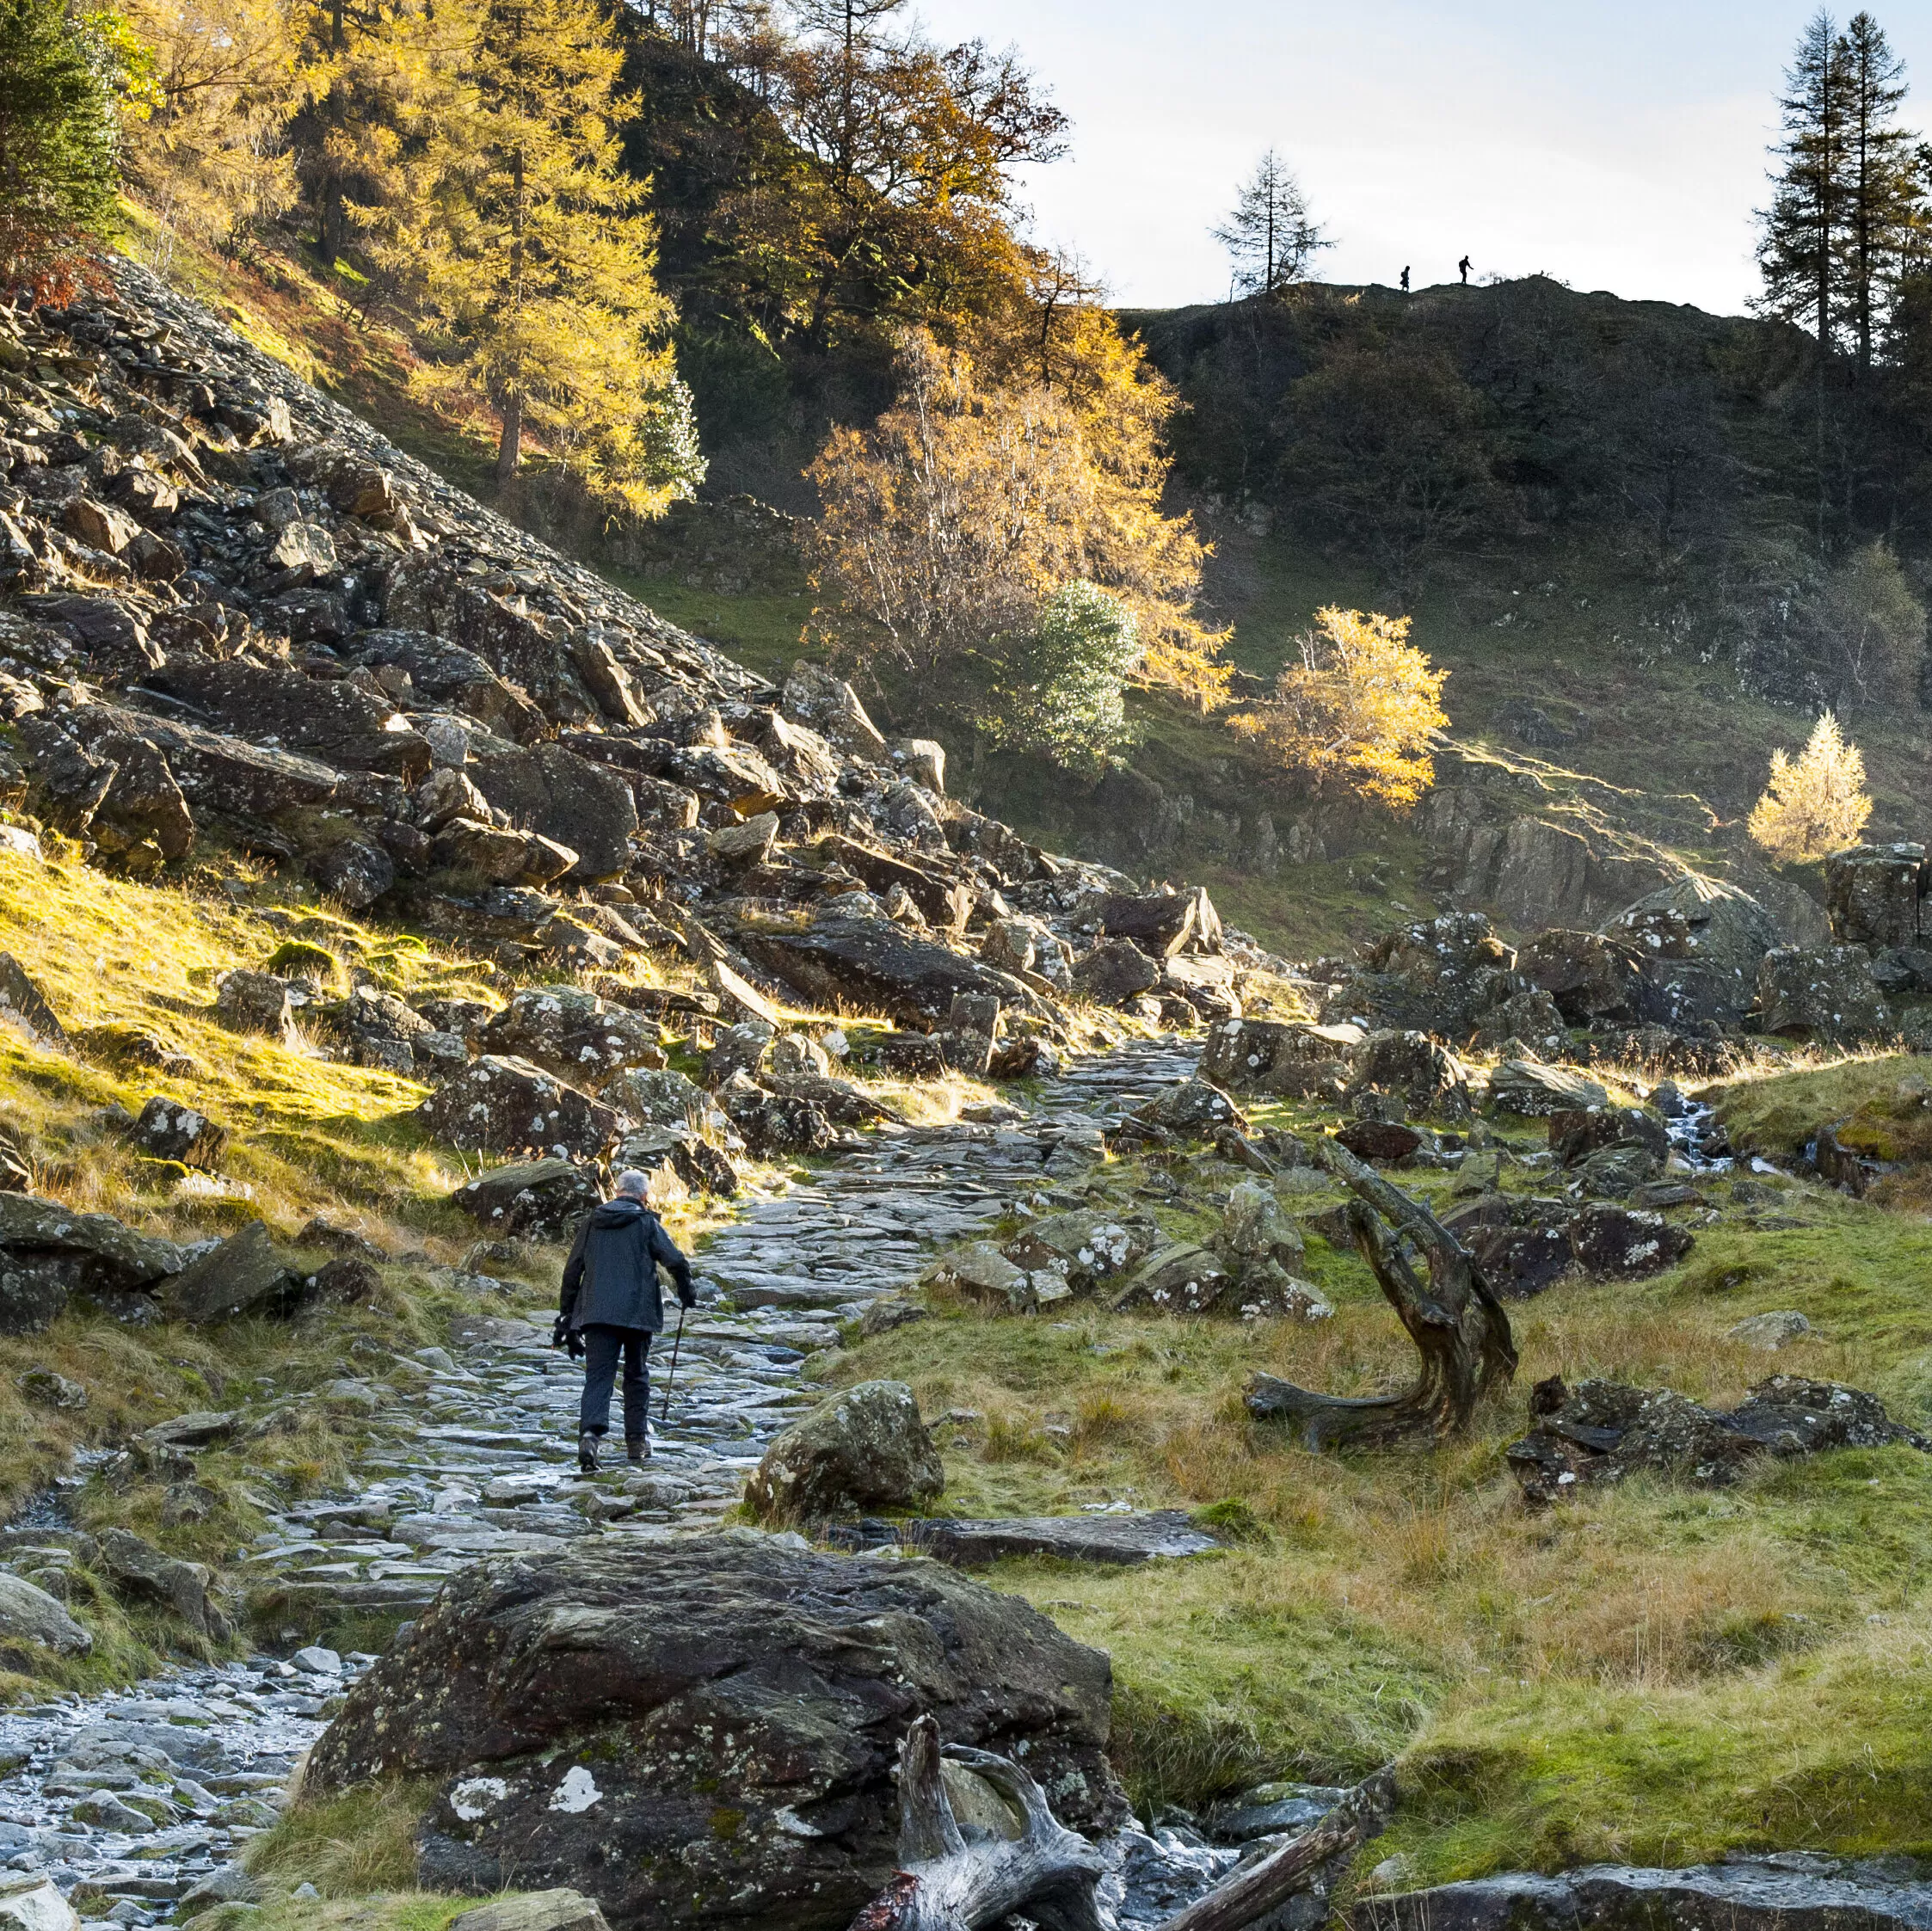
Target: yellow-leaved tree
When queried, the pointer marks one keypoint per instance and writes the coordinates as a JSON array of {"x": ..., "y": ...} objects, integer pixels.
[
  {"x": 206, "y": 151},
  {"x": 531, "y": 256},
  {"x": 1815, "y": 802},
  {"x": 1358, "y": 710},
  {"x": 969, "y": 505}
]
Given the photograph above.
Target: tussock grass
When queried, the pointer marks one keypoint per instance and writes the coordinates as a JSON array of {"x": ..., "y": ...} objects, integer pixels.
[
  {"x": 361, "y": 1841},
  {"x": 1405, "y": 1604}
]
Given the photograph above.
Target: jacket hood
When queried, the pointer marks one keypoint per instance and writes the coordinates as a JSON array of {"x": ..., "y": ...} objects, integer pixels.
[{"x": 619, "y": 1212}]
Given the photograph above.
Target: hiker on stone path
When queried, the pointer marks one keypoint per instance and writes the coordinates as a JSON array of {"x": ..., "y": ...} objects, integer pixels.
[{"x": 611, "y": 1306}]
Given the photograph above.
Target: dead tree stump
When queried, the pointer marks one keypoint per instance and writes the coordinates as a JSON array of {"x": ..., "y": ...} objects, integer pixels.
[{"x": 1459, "y": 1327}]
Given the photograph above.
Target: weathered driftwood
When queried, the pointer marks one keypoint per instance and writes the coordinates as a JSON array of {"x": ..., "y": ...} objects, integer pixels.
[
  {"x": 1251, "y": 1892},
  {"x": 1457, "y": 1325},
  {"x": 952, "y": 1880},
  {"x": 957, "y": 1879}
]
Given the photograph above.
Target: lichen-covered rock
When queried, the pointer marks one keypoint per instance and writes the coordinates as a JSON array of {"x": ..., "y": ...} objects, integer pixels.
[
  {"x": 1873, "y": 894},
  {"x": 1182, "y": 1278},
  {"x": 49, "y": 1253},
  {"x": 170, "y": 1130},
  {"x": 864, "y": 1449},
  {"x": 248, "y": 1001},
  {"x": 574, "y": 1034},
  {"x": 1823, "y": 993},
  {"x": 1591, "y": 978},
  {"x": 1601, "y": 1431},
  {"x": 1536, "y": 1091},
  {"x": 1279, "y": 1056},
  {"x": 1255, "y": 1228},
  {"x": 1626, "y": 1244},
  {"x": 1424, "y": 1071},
  {"x": 538, "y": 1199},
  {"x": 506, "y": 1106},
  {"x": 703, "y": 1732}
]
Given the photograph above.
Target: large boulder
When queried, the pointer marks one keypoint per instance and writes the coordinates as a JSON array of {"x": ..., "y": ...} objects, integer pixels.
[
  {"x": 29, "y": 1615},
  {"x": 243, "y": 1275},
  {"x": 1826, "y": 993},
  {"x": 507, "y": 1105},
  {"x": 1115, "y": 971},
  {"x": 1624, "y": 1244},
  {"x": 1591, "y": 978},
  {"x": 537, "y": 1199},
  {"x": 141, "y": 1572},
  {"x": 23, "y": 1003},
  {"x": 1873, "y": 894},
  {"x": 864, "y": 1449},
  {"x": 845, "y": 959},
  {"x": 332, "y": 720},
  {"x": 588, "y": 808},
  {"x": 1427, "y": 1075},
  {"x": 499, "y": 855},
  {"x": 1163, "y": 924},
  {"x": 48, "y": 1253},
  {"x": 1536, "y": 1091},
  {"x": 1699, "y": 943},
  {"x": 703, "y": 1732},
  {"x": 829, "y": 706},
  {"x": 1280, "y": 1056},
  {"x": 249, "y": 1001},
  {"x": 574, "y": 1034},
  {"x": 30, "y": 1901},
  {"x": 1440, "y": 977}
]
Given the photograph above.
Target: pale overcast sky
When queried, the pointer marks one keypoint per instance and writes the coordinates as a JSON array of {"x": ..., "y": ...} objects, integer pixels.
[{"x": 1618, "y": 146}]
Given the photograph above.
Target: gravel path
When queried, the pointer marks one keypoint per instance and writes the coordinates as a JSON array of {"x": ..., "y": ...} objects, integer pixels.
[{"x": 143, "y": 1795}]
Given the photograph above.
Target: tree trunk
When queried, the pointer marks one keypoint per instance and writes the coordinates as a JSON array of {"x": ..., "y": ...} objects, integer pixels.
[
  {"x": 509, "y": 451},
  {"x": 1457, "y": 1325},
  {"x": 951, "y": 1882}
]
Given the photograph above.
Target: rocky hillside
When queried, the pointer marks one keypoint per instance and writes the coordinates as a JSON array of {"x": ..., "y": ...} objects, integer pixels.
[{"x": 237, "y": 620}]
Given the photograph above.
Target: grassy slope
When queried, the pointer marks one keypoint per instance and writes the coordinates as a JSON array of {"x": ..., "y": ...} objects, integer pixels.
[{"x": 1649, "y": 1673}]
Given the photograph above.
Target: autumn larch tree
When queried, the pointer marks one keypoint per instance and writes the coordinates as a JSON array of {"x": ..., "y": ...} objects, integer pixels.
[
  {"x": 981, "y": 493},
  {"x": 1358, "y": 710},
  {"x": 532, "y": 258},
  {"x": 1816, "y": 803},
  {"x": 1270, "y": 234}
]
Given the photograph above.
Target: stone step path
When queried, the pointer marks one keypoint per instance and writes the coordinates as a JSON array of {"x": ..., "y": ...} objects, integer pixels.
[{"x": 477, "y": 1457}]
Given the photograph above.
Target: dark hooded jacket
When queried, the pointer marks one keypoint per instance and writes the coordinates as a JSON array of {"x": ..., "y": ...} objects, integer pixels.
[{"x": 610, "y": 1277}]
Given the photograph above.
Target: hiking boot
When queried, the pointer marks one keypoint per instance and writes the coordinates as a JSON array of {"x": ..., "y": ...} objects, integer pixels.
[
  {"x": 587, "y": 1446},
  {"x": 636, "y": 1451}
]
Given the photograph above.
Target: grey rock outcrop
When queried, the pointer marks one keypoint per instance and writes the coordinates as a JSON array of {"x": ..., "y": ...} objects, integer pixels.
[
  {"x": 1601, "y": 1431},
  {"x": 703, "y": 1732},
  {"x": 29, "y": 1615},
  {"x": 864, "y": 1449}
]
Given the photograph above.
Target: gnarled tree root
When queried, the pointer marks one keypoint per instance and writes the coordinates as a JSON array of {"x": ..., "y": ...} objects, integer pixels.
[{"x": 1459, "y": 1327}]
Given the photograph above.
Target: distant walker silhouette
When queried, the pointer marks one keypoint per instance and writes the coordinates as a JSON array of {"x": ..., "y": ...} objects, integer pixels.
[
  {"x": 1405, "y": 281},
  {"x": 1464, "y": 266}
]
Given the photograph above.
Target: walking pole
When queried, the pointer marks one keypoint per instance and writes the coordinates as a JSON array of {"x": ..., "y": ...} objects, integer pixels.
[{"x": 677, "y": 1342}]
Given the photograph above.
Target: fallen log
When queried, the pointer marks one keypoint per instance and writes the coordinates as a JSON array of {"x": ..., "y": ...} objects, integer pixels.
[
  {"x": 1459, "y": 1327},
  {"x": 957, "y": 1878}
]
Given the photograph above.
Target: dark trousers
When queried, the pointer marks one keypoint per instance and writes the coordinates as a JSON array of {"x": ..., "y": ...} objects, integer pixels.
[{"x": 602, "y": 1346}]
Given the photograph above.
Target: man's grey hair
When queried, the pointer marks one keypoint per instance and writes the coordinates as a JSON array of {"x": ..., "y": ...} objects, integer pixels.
[{"x": 633, "y": 1183}]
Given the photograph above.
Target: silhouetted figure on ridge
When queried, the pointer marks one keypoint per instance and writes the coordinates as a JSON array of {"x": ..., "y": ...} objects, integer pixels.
[
  {"x": 1405, "y": 281},
  {"x": 1463, "y": 265}
]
